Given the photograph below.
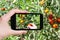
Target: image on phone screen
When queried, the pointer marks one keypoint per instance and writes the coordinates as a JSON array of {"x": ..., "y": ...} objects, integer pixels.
[{"x": 27, "y": 21}]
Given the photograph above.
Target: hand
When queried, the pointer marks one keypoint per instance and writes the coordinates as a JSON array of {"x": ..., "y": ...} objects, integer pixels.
[{"x": 5, "y": 29}]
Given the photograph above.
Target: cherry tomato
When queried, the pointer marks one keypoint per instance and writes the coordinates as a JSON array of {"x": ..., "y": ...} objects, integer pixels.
[
  {"x": 2, "y": 9},
  {"x": 50, "y": 16},
  {"x": 55, "y": 26},
  {"x": 51, "y": 21},
  {"x": 46, "y": 10},
  {"x": 21, "y": 21},
  {"x": 58, "y": 20}
]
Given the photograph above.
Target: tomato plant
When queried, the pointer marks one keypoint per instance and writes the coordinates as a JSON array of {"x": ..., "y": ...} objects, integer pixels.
[
  {"x": 22, "y": 20},
  {"x": 35, "y": 6}
]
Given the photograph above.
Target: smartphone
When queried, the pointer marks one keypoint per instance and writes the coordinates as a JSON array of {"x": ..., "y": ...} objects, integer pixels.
[{"x": 27, "y": 21}]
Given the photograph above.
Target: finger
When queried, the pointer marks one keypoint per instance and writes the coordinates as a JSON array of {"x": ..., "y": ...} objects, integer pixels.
[
  {"x": 0, "y": 19},
  {"x": 7, "y": 16},
  {"x": 18, "y": 32}
]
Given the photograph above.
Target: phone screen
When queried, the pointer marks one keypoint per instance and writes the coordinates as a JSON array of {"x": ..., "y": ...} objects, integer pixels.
[{"x": 27, "y": 21}]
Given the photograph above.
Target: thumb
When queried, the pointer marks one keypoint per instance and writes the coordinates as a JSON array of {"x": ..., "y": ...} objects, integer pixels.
[{"x": 15, "y": 32}]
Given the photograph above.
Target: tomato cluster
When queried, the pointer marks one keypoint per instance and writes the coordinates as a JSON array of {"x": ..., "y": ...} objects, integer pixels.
[{"x": 53, "y": 22}]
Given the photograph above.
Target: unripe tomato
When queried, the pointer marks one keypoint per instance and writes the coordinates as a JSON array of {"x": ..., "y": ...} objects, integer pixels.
[
  {"x": 46, "y": 10},
  {"x": 41, "y": 2},
  {"x": 21, "y": 21}
]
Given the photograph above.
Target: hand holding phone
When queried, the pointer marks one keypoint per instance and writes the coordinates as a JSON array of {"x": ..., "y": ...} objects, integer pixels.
[{"x": 27, "y": 21}]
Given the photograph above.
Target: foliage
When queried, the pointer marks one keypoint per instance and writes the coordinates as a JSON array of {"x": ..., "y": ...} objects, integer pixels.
[
  {"x": 23, "y": 20},
  {"x": 35, "y": 6}
]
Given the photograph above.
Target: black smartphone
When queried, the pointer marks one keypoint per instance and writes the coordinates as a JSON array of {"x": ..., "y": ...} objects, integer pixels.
[{"x": 27, "y": 21}]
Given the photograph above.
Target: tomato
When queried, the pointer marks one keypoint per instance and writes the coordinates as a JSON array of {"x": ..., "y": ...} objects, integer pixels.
[
  {"x": 2, "y": 9},
  {"x": 55, "y": 26},
  {"x": 50, "y": 16},
  {"x": 46, "y": 10},
  {"x": 30, "y": 25},
  {"x": 21, "y": 21},
  {"x": 51, "y": 21},
  {"x": 58, "y": 20}
]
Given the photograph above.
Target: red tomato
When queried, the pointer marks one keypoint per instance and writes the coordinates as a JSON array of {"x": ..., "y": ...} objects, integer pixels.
[
  {"x": 58, "y": 20},
  {"x": 51, "y": 21},
  {"x": 50, "y": 16}
]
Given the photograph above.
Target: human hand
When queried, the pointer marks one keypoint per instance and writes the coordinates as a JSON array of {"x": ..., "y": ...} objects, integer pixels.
[{"x": 5, "y": 29}]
